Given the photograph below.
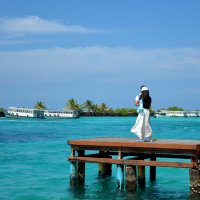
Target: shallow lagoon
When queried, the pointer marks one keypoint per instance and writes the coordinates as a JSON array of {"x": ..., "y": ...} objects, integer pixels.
[{"x": 34, "y": 166}]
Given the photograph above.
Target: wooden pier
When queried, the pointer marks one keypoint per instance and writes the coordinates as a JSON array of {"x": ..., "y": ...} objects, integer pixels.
[{"x": 131, "y": 158}]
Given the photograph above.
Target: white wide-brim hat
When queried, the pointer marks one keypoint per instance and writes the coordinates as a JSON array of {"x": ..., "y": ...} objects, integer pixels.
[{"x": 144, "y": 89}]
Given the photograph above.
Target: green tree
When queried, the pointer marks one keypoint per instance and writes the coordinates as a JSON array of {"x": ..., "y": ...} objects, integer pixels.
[
  {"x": 125, "y": 111},
  {"x": 121, "y": 111},
  {"x": 132, "y": 111},
  {"x": 89, "y": 105},
  {"x": 72, "y": 104},
  {"x": 95, "y": 109},
  {"x": 40, "y": 105},
  {"x": 110, "y": 111},
  {"x": 175, "y": 108},
  {"x": 2, "y": 112},
  {"x": 103, "y": 108}
]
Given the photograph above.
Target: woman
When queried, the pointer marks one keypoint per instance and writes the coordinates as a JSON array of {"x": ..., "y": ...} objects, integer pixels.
[{"x": 142, "y": 127}]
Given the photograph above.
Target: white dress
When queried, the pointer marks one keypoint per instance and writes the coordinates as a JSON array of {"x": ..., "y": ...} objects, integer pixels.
[{"x": 142, "y": 127}]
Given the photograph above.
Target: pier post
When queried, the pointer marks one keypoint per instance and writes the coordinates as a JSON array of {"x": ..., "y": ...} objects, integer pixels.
[
  {"x": 120, "y": 174},
  {"x": 102, "y": 170},
  {"x": 194, "y": 181},
  {"x": 141, "y": 176},
  {"x": 73, "y": 174},
  {"x": 73, "y": 171},
  {"x": 152, "y": 168},
  {"x": 108, "y": 166},
  {"x": 131, "y": 182},
  {"x": 105, "y": 169},
  {"x": 81, "y": 169}
]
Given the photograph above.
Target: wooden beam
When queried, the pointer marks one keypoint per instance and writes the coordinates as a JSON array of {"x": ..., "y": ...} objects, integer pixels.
[
  {"x": 136, "y": 149},
  {"x": 133, "y": 162},
  {"x": 144, "y": 155}
]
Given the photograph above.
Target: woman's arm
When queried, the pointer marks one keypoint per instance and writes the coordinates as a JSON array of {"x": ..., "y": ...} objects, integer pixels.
[{"x": 137, "y": 100}]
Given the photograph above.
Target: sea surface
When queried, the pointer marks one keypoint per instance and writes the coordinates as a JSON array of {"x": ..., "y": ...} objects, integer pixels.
[{"x": 34, "y": 165}]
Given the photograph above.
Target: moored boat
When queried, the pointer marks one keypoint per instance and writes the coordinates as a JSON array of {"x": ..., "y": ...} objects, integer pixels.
[
  {"x": 24, "y": 112},
  {"x": 169, "y": 113},
  {"x": 61, "y": 113}
]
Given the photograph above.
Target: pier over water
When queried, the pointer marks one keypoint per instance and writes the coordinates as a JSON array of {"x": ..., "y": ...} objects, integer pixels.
[{"x": 131, "y": 158}]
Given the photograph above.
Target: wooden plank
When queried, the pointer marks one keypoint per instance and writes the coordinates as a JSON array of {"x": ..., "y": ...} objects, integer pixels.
[
  {"x": 130, "y": 142},
  {"x": 122, "y": 143},
  {"x": 133, "y": 162}
]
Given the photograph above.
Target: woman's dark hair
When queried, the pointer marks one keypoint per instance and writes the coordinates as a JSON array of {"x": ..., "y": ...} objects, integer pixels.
[{"x": 146, "y": 98}]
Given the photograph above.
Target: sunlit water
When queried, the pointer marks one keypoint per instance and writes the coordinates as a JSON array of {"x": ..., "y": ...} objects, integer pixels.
[{"x": 34, "y": 165}]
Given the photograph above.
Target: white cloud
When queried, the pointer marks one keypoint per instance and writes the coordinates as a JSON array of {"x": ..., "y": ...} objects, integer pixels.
[
  {"x": 108, "y": 64},
  {"x": 37, "y": 25}
]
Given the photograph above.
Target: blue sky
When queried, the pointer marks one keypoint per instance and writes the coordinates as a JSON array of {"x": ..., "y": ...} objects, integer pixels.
[{"x": 54, "y": 50}]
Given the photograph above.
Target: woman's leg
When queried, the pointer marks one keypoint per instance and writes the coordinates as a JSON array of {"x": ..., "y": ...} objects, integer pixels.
[{"x": 148, "y": 129}]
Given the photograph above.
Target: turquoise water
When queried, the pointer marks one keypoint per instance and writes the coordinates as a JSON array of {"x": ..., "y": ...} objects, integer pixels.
[{"x": 34, "y": 166}]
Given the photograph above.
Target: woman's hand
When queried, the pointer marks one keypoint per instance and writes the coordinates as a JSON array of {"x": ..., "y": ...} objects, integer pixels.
[{"x": 137, "y": 103}]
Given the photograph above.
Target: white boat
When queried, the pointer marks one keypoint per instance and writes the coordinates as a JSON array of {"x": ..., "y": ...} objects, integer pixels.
[
  {"x": 61, "y": 113},
  {"x": 160, "y": 114},
  {"x": 168, "y": 113},
  {"x": 175, "y": 114},
  {"x": 192, "y": 114},
  {"x": 24, "y": 112}
]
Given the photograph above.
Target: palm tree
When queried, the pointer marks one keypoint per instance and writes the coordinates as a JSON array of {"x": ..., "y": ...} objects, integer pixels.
[
  {"x": 95, "y": 109},
  {"x": 103, "y": 108},
  {"x": 40, "y": 105},
  {"x": 72, "y": 104},
  {"x": 88, "y": 105}
]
